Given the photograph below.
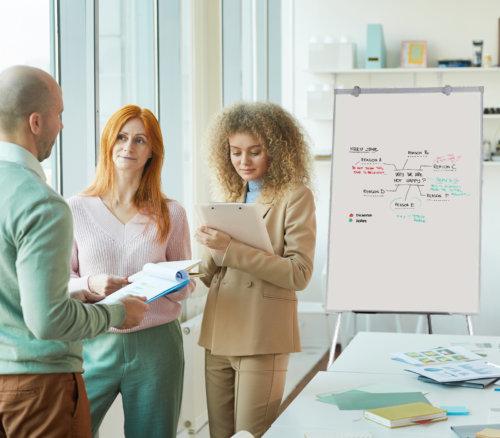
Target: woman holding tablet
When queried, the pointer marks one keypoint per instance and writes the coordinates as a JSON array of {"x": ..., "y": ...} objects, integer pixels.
[
  {"x": 122, "y": 221},
  {"x": 259, "y": 155}
]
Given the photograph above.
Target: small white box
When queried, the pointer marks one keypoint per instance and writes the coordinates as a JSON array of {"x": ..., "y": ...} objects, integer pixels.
[
  {"x": 327, "y": 55},
  {"x": 320, "y": 101}
]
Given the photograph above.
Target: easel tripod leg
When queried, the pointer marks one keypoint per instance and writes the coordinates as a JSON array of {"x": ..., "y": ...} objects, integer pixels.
[
  {"x": 334, "y": 340},
  {"x": 469, "y": 325}
]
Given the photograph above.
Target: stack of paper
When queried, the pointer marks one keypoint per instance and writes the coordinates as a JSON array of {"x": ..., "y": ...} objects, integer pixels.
[
  {"x": 406, "y": 415},
  {"x": 459, "y": 371},
  {"x": 448, "y": 364},
  {"x": 476, "y": 383}
]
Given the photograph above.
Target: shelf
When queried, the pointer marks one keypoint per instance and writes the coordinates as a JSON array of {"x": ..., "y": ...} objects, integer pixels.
[
  {"x": 491, "y": 116},
  {"x": 410, "y": 70}
]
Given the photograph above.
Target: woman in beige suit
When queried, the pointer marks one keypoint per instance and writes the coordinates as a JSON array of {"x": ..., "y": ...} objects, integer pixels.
[{"x": 250, "y": 323}]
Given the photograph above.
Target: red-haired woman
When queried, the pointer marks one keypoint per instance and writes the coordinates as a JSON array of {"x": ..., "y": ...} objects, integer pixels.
[{"x": 121, "y": 222}]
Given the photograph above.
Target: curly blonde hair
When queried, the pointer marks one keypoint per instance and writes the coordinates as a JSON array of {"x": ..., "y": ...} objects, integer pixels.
[{"x": 280, "y": 136}]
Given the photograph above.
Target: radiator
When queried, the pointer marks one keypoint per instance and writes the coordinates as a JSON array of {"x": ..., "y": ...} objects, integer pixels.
[{"x": 194, "y": 406}]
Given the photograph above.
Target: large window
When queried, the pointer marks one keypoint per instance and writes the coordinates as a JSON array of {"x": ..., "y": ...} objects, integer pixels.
[
  {"x": 251, "y": 40},
  {"x": 26, "y": 37},
  {"x": 108, "y": 52},
  {"x": 126, "y": 48}
]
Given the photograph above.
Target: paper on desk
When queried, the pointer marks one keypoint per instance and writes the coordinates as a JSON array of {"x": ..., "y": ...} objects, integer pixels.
[
  {"x": 377, "y": 388},
  {"x": 359, "y": 400},
  {"x": 458, "y": 371},
  {"x": 480, "y": 348},
  {"x": 494, "y": 415},
  {"x": 390, "y": 387},
  {"x": 436, "y": 356}
]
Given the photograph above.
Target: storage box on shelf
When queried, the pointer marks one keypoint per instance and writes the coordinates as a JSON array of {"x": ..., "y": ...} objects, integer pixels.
[{"x": 326, "y": 54}]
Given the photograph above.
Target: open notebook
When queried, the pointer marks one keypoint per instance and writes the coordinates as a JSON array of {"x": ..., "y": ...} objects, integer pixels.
[{"x": 155, "y": 280}]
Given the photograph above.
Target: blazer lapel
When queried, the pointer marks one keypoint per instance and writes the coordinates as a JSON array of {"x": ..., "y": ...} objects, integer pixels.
[
  {"x": 264, "y": 209},
  {"x": 263, "y": 206}
]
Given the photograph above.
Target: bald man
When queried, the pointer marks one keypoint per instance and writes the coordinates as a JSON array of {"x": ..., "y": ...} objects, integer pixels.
[{"x": 41, "y": 388}]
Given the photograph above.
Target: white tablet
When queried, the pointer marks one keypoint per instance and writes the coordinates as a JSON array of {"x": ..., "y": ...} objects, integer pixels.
[{"x": 242, "y": 222}]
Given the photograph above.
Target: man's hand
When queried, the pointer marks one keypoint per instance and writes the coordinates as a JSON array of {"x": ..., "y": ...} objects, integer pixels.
[
  {"x": 104, "y": 284},
  {"x": 135, "y": 308}
]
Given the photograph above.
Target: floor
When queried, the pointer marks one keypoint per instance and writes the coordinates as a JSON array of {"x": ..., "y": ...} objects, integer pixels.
[
  {"x": 301, "y": 368},
  {"x": 316, "y": 337}
]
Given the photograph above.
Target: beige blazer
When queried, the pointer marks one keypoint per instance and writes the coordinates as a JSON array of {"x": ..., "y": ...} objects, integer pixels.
[{"x": 251, "y": 306}]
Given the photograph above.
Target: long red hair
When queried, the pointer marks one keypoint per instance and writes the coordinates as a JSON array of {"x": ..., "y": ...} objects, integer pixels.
[{"x": 149, "y": 198}]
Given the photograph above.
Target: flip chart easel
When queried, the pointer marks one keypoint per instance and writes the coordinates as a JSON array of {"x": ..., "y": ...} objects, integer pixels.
[{"x": 404, "y": 234}]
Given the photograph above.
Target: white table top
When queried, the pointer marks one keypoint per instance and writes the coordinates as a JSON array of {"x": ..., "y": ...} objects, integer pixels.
[
  {"x": 366, "y": 361},
  {"x": 306, "y": 414},
  {"x": 369, "y": 352}
]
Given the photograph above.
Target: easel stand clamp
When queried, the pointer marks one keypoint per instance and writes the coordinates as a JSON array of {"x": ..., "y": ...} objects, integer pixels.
[{"x": 356, "y": 90}]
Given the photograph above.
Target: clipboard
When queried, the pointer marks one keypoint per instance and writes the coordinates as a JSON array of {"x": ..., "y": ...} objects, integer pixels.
[{"x": 242, "y": 222}]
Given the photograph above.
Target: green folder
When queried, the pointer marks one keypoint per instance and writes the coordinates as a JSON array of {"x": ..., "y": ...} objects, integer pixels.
[{"x": 360, "y": 400}]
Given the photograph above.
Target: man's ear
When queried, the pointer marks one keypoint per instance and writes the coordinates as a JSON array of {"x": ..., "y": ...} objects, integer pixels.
[{"x": 35, "y": 123}]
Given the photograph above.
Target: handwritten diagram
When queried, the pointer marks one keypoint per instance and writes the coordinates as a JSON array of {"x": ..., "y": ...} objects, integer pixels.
[{"x": 421, "y": 177}]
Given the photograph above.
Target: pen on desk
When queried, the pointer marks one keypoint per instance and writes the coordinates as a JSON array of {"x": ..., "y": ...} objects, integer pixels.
[{"x": 497, "y": 389}]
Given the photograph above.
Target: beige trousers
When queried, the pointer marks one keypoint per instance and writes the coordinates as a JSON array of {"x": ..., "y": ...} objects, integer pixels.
[
  {"x": 243, "y": 392},
  {"x": 43, "y": 406}
]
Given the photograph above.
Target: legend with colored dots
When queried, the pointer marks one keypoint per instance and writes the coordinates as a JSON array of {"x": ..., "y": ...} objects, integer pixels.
[{"x": 359, "y": 217}]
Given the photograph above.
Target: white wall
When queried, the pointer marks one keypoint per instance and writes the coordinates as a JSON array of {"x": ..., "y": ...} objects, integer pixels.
[{"x": 448, "y": 26}]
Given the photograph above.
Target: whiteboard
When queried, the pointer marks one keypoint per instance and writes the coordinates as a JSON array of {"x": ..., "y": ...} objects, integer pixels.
[{"x": 404, "y": 232}]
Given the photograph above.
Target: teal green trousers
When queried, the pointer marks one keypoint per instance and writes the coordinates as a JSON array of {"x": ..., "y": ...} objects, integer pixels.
[{"x": 147, "y": 369}]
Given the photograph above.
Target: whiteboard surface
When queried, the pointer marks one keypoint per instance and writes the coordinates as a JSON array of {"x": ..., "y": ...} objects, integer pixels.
[{"x": 405, "y": 201}]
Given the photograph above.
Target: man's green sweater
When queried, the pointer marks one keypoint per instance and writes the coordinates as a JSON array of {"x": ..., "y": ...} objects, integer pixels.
[{"x": 40, "y": 326}]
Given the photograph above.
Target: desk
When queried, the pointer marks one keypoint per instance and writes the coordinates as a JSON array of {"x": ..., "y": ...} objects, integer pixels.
[
  {"x": 368, "y": 356},
  {"x": 375, "y": 350}
]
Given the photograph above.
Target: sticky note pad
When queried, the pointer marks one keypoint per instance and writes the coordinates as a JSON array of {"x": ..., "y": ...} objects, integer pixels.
[{"x": 455, "y": 410}]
